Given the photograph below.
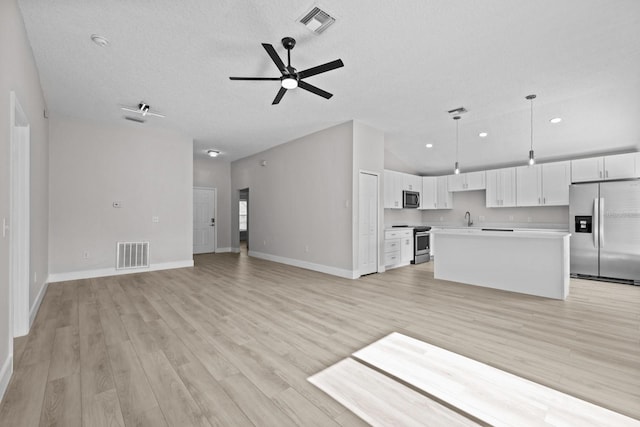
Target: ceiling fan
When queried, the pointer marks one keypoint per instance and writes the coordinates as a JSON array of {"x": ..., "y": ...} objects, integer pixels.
[
  {"x": 142, "y": 109},
  {"x": 292, "y": 78}
]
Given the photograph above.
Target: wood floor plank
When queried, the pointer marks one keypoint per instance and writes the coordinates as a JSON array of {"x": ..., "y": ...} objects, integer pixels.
[
  {"x": 61, "y": 405},
  {"x": 22, "y": 403},
  {"x": 95, "y": 372},
  {"x": 102, "y": 410},
  {"x": 174, "y": 399},
  {"x": 134, "y": 392},
  {"x": 65, "y": 358}
]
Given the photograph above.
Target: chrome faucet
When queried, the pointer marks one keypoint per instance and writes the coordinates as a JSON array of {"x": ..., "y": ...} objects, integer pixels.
[{"x": 469, "y": 222}]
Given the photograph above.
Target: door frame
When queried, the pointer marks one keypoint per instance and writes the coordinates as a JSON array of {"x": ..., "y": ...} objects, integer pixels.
[
  {"x": 379, "y": 218},
  {"x": 20, "y": 217},
  {"x": 215, "y": 214}
]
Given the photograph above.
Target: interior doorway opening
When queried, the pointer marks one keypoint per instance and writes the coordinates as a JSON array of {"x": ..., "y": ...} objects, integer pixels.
[{"x": 243, "y": 219}]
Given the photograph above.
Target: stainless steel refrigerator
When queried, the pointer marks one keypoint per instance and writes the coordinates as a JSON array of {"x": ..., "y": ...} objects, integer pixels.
[{"x": 604, "y": 220}]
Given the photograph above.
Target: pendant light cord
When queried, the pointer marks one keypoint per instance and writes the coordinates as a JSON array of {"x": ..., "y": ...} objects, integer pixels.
[
  {"x": 531, "y": 123},
  {"x": 457, "y": 143}
]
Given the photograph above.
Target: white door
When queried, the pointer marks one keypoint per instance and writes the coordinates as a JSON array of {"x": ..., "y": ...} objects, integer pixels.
[
  {"x": 368, "y": 224},
  {"x": 204, "y": 220}
]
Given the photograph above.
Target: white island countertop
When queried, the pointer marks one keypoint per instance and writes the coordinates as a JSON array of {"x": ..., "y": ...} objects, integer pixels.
[{"x": 532, "y": 262}]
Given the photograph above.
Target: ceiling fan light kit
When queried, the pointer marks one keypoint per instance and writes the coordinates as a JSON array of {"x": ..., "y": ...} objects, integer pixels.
[
  {"x": 143, "y": 109},
  {"x": 292, "y": 78}
]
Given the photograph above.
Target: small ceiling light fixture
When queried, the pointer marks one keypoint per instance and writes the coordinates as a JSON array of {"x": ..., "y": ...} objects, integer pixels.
[
  {"x": 483, "y": 134},
  {"x": 289, "y": 82},
  {"x": 456, "y": 170},
  {"x": 532, "y": 159},
  {"x": 213, "y": 153},
  {"x": 556, "y": 120},
  {"x": 429, "y": 145},
  {"x": 99, "y": 40}
]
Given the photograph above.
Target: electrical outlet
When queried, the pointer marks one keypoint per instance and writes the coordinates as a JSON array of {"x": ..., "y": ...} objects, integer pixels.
[
  {"x": 510, "y": 217},
  {"x": 441, "y": 219},
  {"x": 481, "y": 218},
  {"x": 155, "y": 219},
  {"x": 85, "y": 255},
  {"x": 117, "y": 204},
  {"x": 306, "y": 248},
  {"x": 35, "y": 277},
  {"x": 264, "y": 243},
  {"x": 529, "y": 219}
]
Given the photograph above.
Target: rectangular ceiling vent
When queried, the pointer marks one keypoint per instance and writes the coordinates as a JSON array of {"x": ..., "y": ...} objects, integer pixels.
[
  {"x": 134, "y": 119},
  {"x": 317, "y": 20},
  {"x": 457, "y": 111}
]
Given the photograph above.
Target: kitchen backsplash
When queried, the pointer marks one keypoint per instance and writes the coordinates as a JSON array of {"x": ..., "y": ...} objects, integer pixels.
[{"x": 475, "y": 203}]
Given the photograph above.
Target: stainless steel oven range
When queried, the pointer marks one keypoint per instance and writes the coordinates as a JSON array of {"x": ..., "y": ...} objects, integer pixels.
[{"x": 421, "y": 245}]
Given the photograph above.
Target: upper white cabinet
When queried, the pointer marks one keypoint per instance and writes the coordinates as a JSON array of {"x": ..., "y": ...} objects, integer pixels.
[
  {"x": 444, "y": 199},
  {"x": 543, "y": 185},
  {"x": 392, "y": 190},
  {"x": 501, "y": 188},
  {"x": 411, "y": 182},
  {"x": 429, "y": 198},
  {"x": 619, "y": 166},
  {"x": 466, "y": 181}
]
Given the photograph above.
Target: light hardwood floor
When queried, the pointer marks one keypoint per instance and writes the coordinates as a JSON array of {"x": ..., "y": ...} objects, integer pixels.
[{"x": 233, "y": 340}]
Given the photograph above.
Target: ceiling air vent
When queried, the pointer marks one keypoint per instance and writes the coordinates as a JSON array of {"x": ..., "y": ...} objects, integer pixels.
[
  {"x": 457, "y": 111},
  {"x": 134, "y": 119},
  {"x": 317, "y": 20}
]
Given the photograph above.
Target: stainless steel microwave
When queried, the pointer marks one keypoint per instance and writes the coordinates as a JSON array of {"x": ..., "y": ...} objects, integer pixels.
[{"x": 410, "y": 199}]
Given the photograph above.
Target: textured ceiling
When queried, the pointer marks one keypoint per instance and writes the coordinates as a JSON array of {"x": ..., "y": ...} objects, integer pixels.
[{"x": 406, "y": 64}]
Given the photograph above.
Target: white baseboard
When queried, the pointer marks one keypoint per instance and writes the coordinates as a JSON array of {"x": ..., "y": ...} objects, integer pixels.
[
  {"x": 36, "y": 303},
  {"x": 5, "y": 375},
  {"x": 222, "y": 250},
  {"x": 347, "y": 274},
  {"x": 88, "y": 274}
]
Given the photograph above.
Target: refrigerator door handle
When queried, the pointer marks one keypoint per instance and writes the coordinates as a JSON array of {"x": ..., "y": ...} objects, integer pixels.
[
  {"x": 601, "y": 224},
  {"x": 596, "y": 223}
]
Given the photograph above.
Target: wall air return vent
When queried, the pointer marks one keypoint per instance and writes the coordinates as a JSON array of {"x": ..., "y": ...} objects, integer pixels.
[
  {"x": 132, "y": 255},
  {"x": 317, "y": 20}
]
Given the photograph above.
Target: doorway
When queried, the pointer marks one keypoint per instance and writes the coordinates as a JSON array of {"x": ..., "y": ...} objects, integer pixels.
[
  {"x": 204, "y": 220},
  {"x": 368, "y": 224},
  {"x": 243, "y": 219},
  {"x": 20, "y": 217}
]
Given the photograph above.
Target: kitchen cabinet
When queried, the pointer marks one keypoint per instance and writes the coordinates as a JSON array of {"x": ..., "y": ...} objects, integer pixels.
[
  {"x": 543, "y": 185},
  {"x": 398, "y": 247},
  {"x": 406, "y": 247},
  {"x": 392, "y": 190},
  {"x": 411, "y": 182},
  {"x": 429, "y": 193},
  {"x": 619, "y": 166},
  {"x": 444, "y": 199},
  {"x": 501, "y": 188},
  {"x": 466, "y": 181}
]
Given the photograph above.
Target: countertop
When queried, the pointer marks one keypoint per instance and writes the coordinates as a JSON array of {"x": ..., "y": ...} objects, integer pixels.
[{"x": 494, "y": 232}]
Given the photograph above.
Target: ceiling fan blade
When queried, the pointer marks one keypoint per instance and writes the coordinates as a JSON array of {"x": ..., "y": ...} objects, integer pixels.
[
  {"x": 254, "y": 78},
  {"x": 154, "y": 114},
  {"x": 133, "y": 110},
  {"x": 274, "y": 57},
  {"x": 279, "y": 96},
  {"x": 313, "y": 89},
  {"x": 321, "y": 68}
]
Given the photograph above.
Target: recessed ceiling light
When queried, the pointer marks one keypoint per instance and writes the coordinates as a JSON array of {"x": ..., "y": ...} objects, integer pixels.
[
  {"x": 99, "y": 40},
  {"x": 483, "y": 134},
  {"x": 213, "y": 153},
  {"x": 429, "y": 145},
  {"x": 556, "y": 120}
]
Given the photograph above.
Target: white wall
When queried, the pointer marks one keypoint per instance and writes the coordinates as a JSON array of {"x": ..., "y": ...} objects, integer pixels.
[
  {"x": 92, "y": 165},
  {"x": 18, "y": 73},
  {"x": 368, "y": 156},
  {"x": 216, "y": 173},
  {"x": 302, "y": 197}
]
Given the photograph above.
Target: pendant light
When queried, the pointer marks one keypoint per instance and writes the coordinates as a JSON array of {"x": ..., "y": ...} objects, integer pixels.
[
  {"x": 456, "y": 169},
  {"x": 532, "y": 159}
]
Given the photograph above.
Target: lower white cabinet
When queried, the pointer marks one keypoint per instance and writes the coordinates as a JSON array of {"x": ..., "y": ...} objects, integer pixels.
[{"x": 398, "y": 247}]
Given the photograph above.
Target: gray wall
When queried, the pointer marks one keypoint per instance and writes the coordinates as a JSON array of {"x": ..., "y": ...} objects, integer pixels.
[
  {"x": 149, "y": 171},
  {"x": 19, "y": 73},
  {"x": 216, "y": 173},
  {"x": 302, "y": 197}
]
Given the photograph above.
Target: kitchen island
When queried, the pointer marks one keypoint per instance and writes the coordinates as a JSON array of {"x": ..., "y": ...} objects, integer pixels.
[{"x": 528, "y": 262}]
